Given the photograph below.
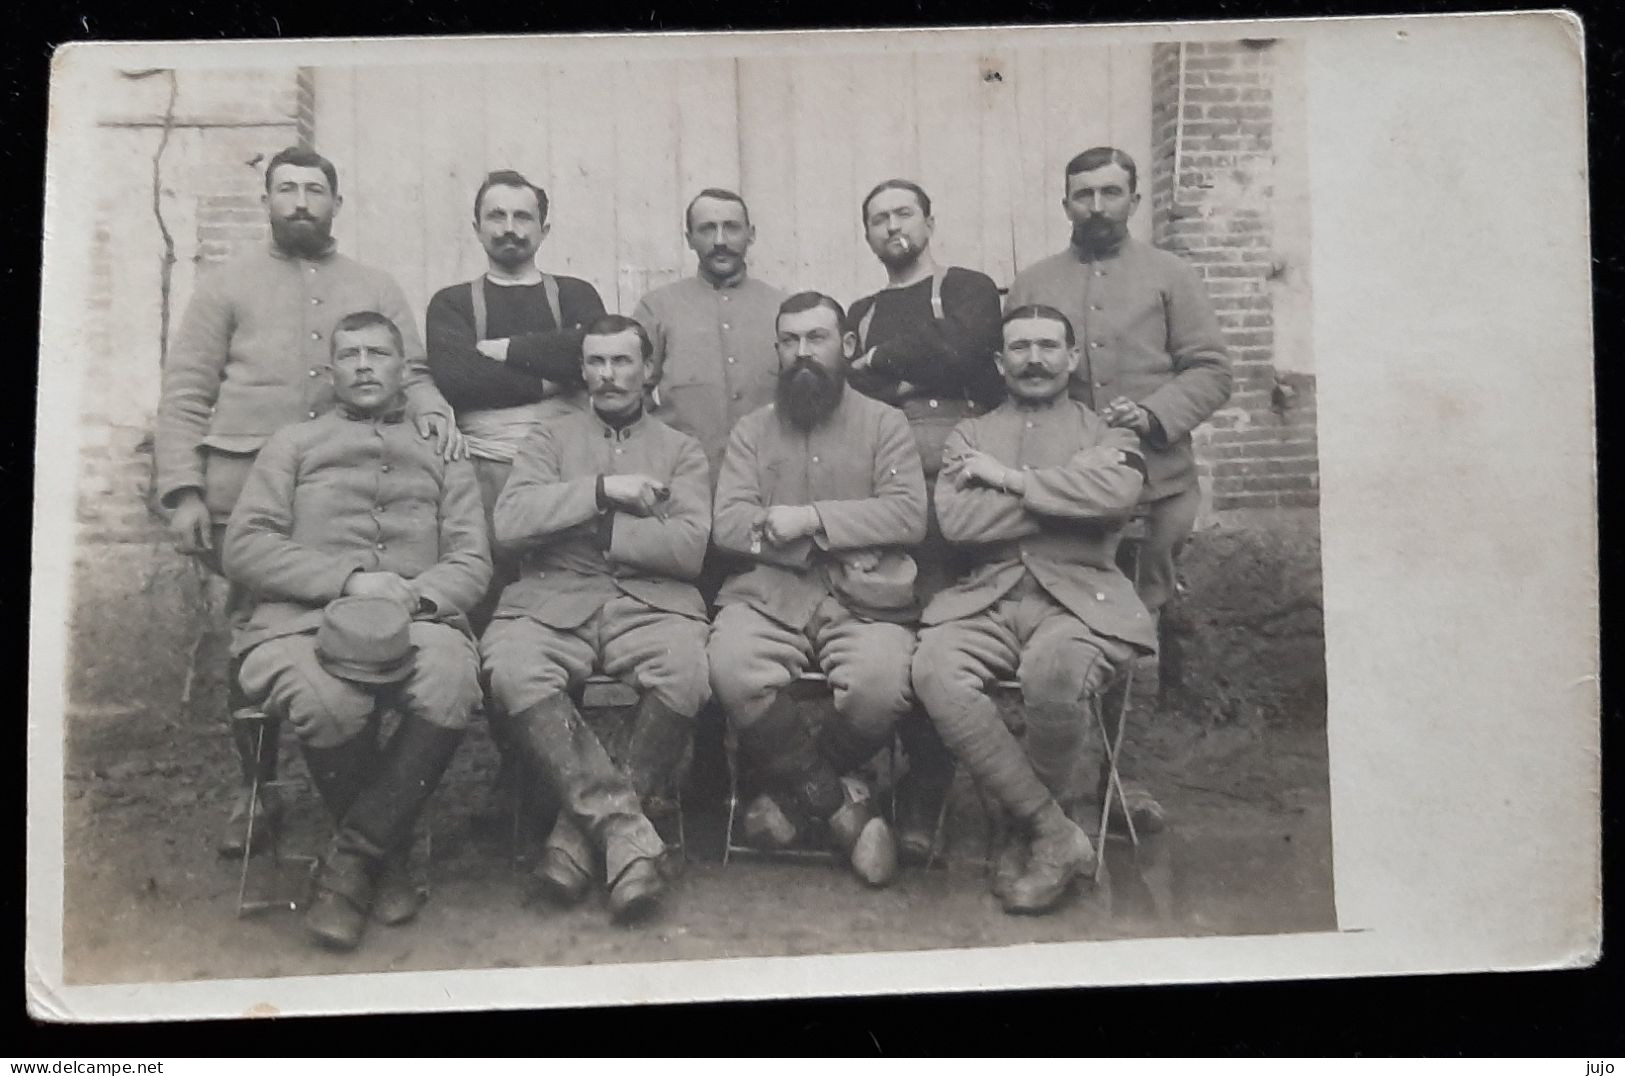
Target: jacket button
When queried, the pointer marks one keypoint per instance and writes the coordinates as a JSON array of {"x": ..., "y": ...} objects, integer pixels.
[
  {"x": 932, "y": 403},
  {"x": 315, "y": 335},
  {"x": 315, "y": 301},
  {"x": 1099, "y": 597},
  {"x": 313, "y": 371},
  {"x": 385, "y": 468},
  {"x": 380, "y": 545},
  {"x": 312, "y": 414}
]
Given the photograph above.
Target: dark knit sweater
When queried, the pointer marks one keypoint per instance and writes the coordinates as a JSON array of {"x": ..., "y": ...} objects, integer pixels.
[
  {"x": 537, "y": 348},
  {"x": 952, "y": 358}
]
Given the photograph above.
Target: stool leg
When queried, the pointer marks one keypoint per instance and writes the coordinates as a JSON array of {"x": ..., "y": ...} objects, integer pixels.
[
  {"x": 730, "y": 752},
  {"x": 253, "y": 807},
  {"x": 942, "y": 820}
]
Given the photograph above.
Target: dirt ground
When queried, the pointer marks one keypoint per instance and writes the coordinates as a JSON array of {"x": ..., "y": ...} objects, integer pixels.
[{"x": 1232, "y": 741}]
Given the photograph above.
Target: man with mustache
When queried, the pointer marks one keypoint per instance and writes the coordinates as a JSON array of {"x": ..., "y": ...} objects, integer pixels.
[
  {"x": 925, "y": 345},
  {"x": 713, "y": 334},
  {"x": 248, "y": 360},
  {"x": 505, "y": 348},
  {"x": 821, "y": 492},
  {"x": 610, "y": 509},
  {"x": 1037, "y": 493},
  {"x": 362, "y": 547},
  {"x": 1153, "y": 361}
]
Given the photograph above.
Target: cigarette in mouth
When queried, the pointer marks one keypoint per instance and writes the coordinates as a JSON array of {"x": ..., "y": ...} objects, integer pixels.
[{"x": 902, "y": 241}]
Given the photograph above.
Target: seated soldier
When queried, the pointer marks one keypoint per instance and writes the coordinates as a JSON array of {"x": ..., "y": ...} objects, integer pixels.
[
  {"x": 361, "y": 547},
  {"x": 1037, "y": 492},
  {"x": 822, "y": 490},
  {"x": 610, "y": 511}
]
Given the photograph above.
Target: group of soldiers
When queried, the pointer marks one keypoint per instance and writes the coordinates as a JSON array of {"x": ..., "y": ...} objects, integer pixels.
[{"x": 706, "y": 500}]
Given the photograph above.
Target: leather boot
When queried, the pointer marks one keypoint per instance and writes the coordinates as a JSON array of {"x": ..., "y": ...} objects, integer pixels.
[
  {"x": 402, "y": 890},
  {"x": 1058, "y": 853},
  {"x": 378, "y": 822},
  {"x": 768, "y": 825},
  {"x": 564, "y": 873},
  {"x": 253, "y": 758},
  {"x": 598, "y": 798},
  {"x": 659, "y": 747},
  {"x": 857, "y": 830},
  {"x": 340, "y": 772},
  {"x": 923, "y": 790},
  {"x": 781, "y": 746},
  {"x": 1009, "y": 852}
]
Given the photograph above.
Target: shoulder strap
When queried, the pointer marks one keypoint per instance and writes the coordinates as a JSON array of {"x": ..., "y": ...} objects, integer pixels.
[
  {"x": 477, "y": 286},
  {"x": 936, "y": 307},
  {"x": 550, "y": 287},
  {"x": 863, "y": 326}
]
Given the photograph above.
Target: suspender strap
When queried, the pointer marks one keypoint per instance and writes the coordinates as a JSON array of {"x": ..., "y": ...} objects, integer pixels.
[
  {"x": 936, "y": 308},
  {"x": 550, "y": 288}
]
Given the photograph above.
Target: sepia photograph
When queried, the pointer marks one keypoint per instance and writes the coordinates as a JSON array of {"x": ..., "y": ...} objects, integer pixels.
[{"x": 651, "y": 512}]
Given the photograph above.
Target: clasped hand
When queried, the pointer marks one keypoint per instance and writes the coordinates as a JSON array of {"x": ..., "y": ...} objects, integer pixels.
[
  {"x": 382, "y": 585},
  {"x": 786, "y": 523},
  {"x": 637, "y": 494}
]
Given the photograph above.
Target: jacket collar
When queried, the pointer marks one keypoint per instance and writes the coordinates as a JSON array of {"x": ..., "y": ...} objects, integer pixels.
[
  {"x": 392, "y": 416},
  {"x": 326, "y": 253},
  {"x": 623, "y": 433}
]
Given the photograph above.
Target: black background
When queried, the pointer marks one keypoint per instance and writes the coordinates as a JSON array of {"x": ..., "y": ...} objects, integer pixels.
[{"x": 1578, "y": 1013}]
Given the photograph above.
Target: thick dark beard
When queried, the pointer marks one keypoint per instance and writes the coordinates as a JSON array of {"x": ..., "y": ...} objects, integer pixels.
[
  {"x": 808, "y": 393},
  {"x": 1102, "y": 238},
  {"x": 302, "y": 238}
]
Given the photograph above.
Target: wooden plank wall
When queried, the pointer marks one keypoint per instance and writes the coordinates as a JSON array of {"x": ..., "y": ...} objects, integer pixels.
[{"x": 621, "y": 145}]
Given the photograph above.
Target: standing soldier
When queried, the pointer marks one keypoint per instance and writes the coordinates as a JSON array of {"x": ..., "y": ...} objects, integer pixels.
[
  {"x": 505, "y": 348},
  {"x": 822, "y": 491},
  {"x": 926, "y": 343},
  {"x": 1153, "y": 360},
  {"x": 248, "y": 360},
  {"x": 714, "y": 361}
]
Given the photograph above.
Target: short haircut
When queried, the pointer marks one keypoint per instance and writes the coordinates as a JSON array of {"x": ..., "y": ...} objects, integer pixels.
[
  {"x": 506, "y": 177},
  {"x": 615, "y": 324},
  {"x": 895, "y": 185},
  {"x": 803, "y": 301},
  {"x": 721, "y": 194},
  {"x": 1100, "y": 157},
  {"x": 1038, "y": 310},
  {"x": 365, "y": 319},
  {"x": 303, "y": 157}
]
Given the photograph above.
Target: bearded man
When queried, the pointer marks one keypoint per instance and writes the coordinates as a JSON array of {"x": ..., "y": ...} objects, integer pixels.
[{"x": 822, "y": 492}]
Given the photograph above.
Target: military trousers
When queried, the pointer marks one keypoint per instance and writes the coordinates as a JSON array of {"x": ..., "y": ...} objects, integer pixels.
[
  {"x": 648, "y": 649},
  {"x": 284, "y": 677},
  {"x": 1059, "y": 661},
  {"x": 754, "y": 657}
]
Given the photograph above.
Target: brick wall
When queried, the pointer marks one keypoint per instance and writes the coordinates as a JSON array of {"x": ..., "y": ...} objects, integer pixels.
[{"x": 1213, "y": 178}]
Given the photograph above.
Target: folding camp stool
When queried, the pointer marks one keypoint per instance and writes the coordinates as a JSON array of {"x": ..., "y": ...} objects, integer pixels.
[
  {"x": 1134, "y": 535},
  {"x": 598, "y": 692},
  {"x": 809, "y": 685},
  {"x": 255, "y": 722}
]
